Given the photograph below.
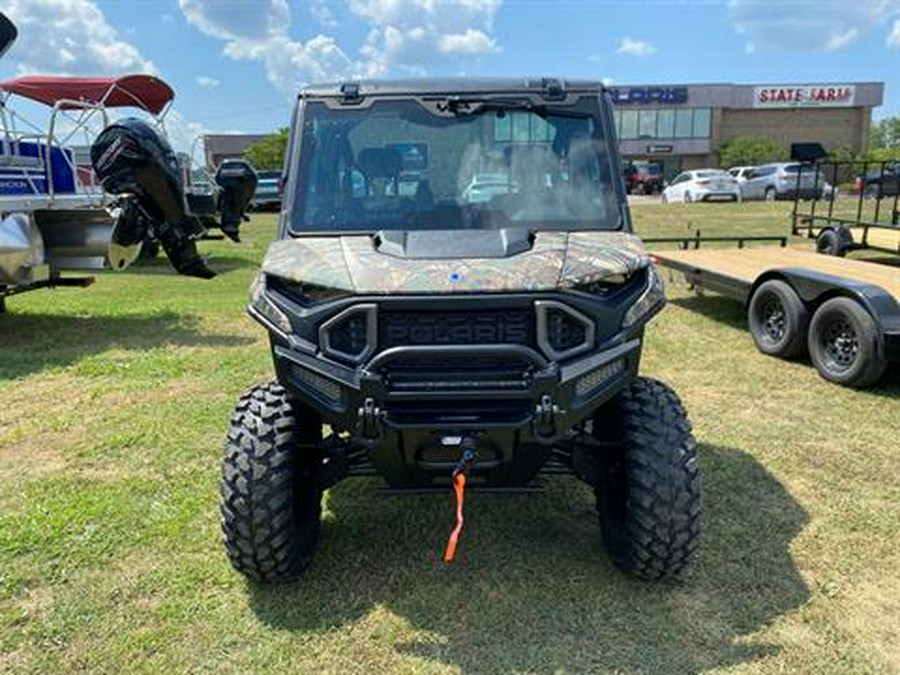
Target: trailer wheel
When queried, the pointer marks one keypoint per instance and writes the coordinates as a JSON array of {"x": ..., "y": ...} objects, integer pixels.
[
  {"x": 828, "y": 243},
  {"x": 270, "y": 498},
  {"x": 778, "y": 320},
  {"x": 843, "y": 344},
  {"x": 648, "y": 482}
]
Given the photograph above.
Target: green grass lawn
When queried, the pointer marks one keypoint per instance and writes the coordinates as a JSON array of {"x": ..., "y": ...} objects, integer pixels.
[{"x": 113, "y": 405}]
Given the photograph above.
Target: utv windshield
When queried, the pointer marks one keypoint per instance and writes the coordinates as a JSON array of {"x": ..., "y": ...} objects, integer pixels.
[{"x": 409, "y": 165}]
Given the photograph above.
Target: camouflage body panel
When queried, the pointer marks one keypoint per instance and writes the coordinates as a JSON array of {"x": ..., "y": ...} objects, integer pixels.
[{"x": 557, "y": 260}]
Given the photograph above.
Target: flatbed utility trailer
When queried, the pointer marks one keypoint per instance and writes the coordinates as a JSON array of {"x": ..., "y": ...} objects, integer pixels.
[
  {"x": 844, "y": 313},
  {"x": 870, "y": 219}
]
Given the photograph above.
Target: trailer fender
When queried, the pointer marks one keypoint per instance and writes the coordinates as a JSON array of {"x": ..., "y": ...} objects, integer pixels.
[{"x": 814, "y": 288}]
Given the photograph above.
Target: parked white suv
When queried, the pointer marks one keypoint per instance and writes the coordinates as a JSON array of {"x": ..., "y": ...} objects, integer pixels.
[{"x": 785, "y": 180}]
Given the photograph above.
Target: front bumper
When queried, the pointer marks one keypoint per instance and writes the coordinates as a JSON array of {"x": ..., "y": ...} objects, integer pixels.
[
  {"x": 542, "y": 402},
  {"x": 412, "y": 435}
]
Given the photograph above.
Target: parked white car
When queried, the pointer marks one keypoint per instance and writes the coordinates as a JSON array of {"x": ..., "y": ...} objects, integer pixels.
[
  {"x": 485, "y": 186},
  {"x": 702, "y": 185}
]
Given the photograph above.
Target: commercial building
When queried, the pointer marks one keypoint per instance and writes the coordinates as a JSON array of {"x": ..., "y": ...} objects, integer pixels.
[
  {"x": 217, "y": 147},
  {"x": 683, "y": 126}
]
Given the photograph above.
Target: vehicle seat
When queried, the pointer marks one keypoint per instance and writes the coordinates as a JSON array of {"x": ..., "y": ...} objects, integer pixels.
[{"x": 381, "y": 169}]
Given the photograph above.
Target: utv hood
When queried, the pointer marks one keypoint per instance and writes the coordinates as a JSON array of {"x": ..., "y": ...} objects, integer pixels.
[{"x": 428, "y": 262}]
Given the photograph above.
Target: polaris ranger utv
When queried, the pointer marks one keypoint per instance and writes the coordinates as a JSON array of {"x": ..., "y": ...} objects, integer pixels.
[{"x": 447, "y": 337}]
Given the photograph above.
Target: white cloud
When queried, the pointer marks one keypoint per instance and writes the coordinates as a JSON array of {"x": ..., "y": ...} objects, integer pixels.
[
  {"x": 236, "y": 20},
  {"x": 69, "y": 37},
  {"x": 471, "y": 42},
  {"x": 827, "y": 25},
  {"x": 404, "y": 33},
  {"x": 894, "y": 37},
  {"x": 322, "y": 12},
  {"x": 401, "y": 35},
  {"x": 259, "y": 32},
  {"x": 841, "y": 40},
  {"x": 633, "y": 47},
  {"x": 207, "y": 82}
]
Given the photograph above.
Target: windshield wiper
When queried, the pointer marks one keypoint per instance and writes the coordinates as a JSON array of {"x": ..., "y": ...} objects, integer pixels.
[{"x": 474, "y": 105}]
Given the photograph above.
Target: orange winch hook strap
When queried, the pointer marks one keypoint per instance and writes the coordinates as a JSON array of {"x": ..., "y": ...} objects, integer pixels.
[{"x": 459, "y": 487}]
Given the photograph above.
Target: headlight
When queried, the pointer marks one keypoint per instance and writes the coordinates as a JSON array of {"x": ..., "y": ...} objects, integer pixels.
[
  {"x": 652, "y": 298},
  {"x": 310, "y": 294},
  {"x": 307, "y": 294},
  {"x": 265, "y": 309},
  {"x": 602, "y": 285}
]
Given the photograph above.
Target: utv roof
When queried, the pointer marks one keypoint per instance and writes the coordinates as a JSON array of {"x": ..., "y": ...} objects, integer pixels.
[{"x": 449, "y": 86}]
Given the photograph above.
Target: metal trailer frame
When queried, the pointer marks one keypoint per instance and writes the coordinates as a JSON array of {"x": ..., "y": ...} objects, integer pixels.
[
  {"x": 810, "y": 279},
  {"x": 812, "y": 222}
]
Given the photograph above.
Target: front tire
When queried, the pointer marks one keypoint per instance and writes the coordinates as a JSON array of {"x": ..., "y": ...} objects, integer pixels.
[
  {"x": 843, "y": 344},
  {"x": 270, "y": 500},
  {"x": 778, "y": 320},
  {"x": 648, "y": 486}
]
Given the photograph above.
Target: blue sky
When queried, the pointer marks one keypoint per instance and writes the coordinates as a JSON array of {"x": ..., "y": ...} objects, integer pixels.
[{"x": 236, "y": 64}]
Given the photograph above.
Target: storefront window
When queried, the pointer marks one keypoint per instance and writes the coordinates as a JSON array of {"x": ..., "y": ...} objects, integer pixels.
[
  {"x": 647, "y": 124},
  {"x": 702, "y": 122},
  {"x": 684, "y": 123},
  {"x": 629, "y": 124},
  {"x": 665, "y": 124}
]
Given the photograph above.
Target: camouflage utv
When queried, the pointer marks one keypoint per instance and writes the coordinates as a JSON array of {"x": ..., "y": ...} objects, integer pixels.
[{"x": 456, "y": 296}]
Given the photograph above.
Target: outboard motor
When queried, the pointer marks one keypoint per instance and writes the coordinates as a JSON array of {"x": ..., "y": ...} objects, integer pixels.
[
  {"x": 237, "y": 180},
  {"x": 131, "y": 158}
]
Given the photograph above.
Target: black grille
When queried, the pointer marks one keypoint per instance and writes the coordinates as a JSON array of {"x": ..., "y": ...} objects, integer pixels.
[
  {"x": 564, "y": 332},
  {"x": 397, "y": 329}
]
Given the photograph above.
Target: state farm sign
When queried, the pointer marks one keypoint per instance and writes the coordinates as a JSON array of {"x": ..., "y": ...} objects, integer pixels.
[{"x": 804, "y": 96}]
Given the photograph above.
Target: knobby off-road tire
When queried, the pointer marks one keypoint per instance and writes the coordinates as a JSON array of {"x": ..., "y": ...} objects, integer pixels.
[
  {"x": 778, "y": 320},
  {"x": 270, "y": 502},
  {"x": 843, "y": 344},
  {"x": 648, "y": 491},
  {"x": 829, "y": 243}
]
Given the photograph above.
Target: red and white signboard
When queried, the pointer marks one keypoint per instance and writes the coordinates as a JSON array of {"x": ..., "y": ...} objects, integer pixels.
[{"x": 804, "y": 96}]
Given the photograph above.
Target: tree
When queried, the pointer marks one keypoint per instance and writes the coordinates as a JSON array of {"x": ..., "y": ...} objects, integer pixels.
[
  {"x": 885, "y": 134},
  {"x": 268, "y": 153},
  {"x": 751, "y": 151}
]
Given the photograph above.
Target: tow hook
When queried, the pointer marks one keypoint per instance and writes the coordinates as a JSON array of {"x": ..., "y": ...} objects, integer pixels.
[
  {"x": 545, "y": 414},
  {"x": 369, "y": 415},
  {"x": 460, "y": 471}
]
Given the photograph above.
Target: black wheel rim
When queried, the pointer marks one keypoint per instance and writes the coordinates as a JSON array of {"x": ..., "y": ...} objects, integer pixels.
[
  {"x": 840, "y": 345},
  {"x": 773, "y": 321}
]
